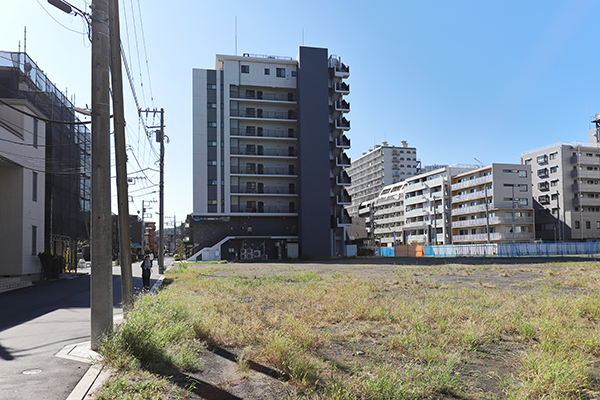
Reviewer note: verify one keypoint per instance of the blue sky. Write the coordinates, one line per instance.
(457, 79)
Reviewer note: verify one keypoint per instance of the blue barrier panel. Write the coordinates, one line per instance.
(387, 251)
(428, 251)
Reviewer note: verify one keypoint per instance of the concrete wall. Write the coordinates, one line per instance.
(314, 182)
(199, 140)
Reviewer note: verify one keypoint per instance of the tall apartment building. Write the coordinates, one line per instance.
(414, 211)
(566, 189)
(493, 203)
(269, 156)
(381, 166)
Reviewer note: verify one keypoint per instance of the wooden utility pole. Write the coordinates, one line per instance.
(120, 155)
(101, 247)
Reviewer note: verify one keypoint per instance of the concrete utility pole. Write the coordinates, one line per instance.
(120, 155)
(101, 246)
(160, 137)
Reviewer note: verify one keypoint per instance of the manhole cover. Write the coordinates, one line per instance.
(32, 371)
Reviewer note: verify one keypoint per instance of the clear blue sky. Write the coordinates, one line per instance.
(456, 79)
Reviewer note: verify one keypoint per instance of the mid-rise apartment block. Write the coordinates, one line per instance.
(379, 167)
(269, 141)
(414, 211)
(493, 204)
(566, 190)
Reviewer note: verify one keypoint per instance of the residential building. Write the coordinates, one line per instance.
(67, 154)
(22, 187)
(414, 211)
(493, 204)
(381, 166)
(566, 189)
(269, 157)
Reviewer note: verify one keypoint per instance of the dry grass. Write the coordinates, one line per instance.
(339, 334)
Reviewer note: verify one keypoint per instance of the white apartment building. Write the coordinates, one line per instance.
(493, 204)
(379, 167)
(566, 189)
(22, 188)
(414, 211)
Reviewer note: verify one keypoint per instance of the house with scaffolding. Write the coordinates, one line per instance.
(66, 187)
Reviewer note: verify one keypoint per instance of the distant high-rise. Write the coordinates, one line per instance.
(269, 156)
(381, 166)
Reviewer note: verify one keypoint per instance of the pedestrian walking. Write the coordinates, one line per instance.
(146, 271)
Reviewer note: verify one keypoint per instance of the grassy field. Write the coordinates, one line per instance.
(364, 331)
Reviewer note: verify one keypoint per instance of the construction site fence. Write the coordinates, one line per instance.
(546, 249)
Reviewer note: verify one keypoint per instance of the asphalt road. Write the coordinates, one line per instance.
(37, 322)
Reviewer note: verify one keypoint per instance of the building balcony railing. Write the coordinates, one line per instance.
(480, 194)
(291, 171)
(259, 132)
(344, 199)
(414, 199)
(584, 173)
(262, 190)
(260, 113)
(342, 87)
(342, 70)
(342, 105)
(412, 239)
(586, 202)
(262, 95)
(492, 221)
(342, 123)
(494, 236)
(342, 142)
(585, 160)
(343, 220)
(468, 210)
(258, 151)
(472, 182)
(416, 224)
(587, 187)
(263, 209)
(342, 160)
(343, 179)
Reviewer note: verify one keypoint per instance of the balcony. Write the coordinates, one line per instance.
(416, 239)
(290, 171)
(585, 160)
(343, 199)
(259, 132)
(341, 87)
(472, 182)
(584, 173)
(414, 199)
(480, 194)
(263, 209)
(342, 142)
(586, 202)
(342, 70)
(343, 179)
(263, 190)
(342, 160)
(416, 224)
(492, 221)
(342, 123)
(342, 105)
(468, 210)
(262, 95)
(495, 236)
(342, 220)
(586, 187)
(415, 212)
(260, 151)
(263, 114)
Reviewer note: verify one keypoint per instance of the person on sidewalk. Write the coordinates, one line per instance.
(146, 271)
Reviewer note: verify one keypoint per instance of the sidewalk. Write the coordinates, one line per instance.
(44, 336)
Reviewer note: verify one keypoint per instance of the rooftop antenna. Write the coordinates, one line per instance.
(236, 35)
(25, 40)
(481, 165)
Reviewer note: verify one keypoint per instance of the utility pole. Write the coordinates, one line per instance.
(160, 137)
(120, 155)
(101, 247)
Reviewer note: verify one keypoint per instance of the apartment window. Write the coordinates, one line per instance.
(553, 155)
(522, 174)
(528, 161)
(281, 72)
(212, 202)
(576, 224)
(250, 94)
(294, 73)
(588, 225)
(35, 133)
(553, 169)
(34, 187)
(542, 172)
(542, 159)
(251, 130)
(597, 224)
(33, 240)
(523, 202)
(211, 105)
(554, 196)
(554, 183)
(212, 124)
(543, 186)
(545, 199)
(212, 182)
(212, 162)
(245, 69)
(211, 86)
(250, 167)
(267, 71)
(212, 144)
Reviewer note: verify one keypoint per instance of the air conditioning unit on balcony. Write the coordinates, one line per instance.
(242, 256)
(257, 253)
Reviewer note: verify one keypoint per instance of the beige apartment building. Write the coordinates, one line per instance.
(566, 190)
(493, 204)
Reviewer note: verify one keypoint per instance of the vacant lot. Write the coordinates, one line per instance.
(380, 329)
